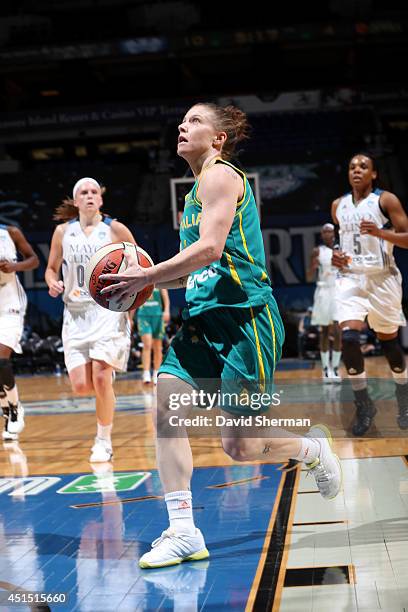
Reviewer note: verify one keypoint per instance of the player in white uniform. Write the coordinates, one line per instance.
(13, 302)
(323, 314)
(369, 285)
(96, 341)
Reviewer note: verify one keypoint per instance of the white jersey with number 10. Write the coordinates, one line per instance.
(77, 249)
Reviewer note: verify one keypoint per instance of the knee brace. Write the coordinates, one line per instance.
(352, 356)
(394, 354)
(6, 374)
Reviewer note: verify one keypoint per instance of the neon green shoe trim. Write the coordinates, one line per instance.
(145, 565)
(326, 430)
(198, 556)
(312, 465)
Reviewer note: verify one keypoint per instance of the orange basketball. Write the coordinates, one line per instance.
(110, 259)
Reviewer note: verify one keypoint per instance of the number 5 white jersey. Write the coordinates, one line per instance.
(77, 249)
(369, 254)
(370, 286)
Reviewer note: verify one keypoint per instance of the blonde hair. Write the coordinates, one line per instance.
(233, 122)
(67, 210)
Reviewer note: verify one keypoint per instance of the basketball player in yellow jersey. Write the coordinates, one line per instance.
(232, 331)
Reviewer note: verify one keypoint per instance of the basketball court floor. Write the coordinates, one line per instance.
(74, 533)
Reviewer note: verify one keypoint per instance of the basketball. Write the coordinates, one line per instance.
(110, 259)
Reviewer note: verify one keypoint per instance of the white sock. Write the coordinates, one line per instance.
(155, 372)
(180, 510)
(336, 356)
(400, 378)
(104, 432)
(325, 356)
(309, 451)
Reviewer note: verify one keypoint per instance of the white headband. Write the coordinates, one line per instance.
(86, 179)
(328, 226)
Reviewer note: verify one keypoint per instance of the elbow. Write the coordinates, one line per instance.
(212, 252)
(35, 263)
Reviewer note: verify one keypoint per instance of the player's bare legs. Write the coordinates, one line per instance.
(276, 445)
(182, 541)
(81, 379)
(324, 346)
(173, 450)
(175, 463)
(105, 396)
(95, 378)
(146, 357)
(157, 357)
(12, 410)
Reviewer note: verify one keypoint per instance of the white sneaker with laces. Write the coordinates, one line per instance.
(15, 423)
(326, 469)
(172, 548)
(101, 451)
(146, 377)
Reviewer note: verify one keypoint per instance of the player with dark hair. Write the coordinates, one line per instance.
(370, 284)
(13, 303)
(232, 330)
(96, 341)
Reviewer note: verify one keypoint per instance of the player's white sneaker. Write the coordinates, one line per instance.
(15, 424)
(334, 375)
(154, 377)
(101, 451)
(146, 376)
(326, 375)
(326, 468)
(172, 548)
(9, 437)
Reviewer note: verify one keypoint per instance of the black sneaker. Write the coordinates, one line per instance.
(401, 393)
(363, 418)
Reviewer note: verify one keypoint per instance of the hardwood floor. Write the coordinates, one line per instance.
(60, 443)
